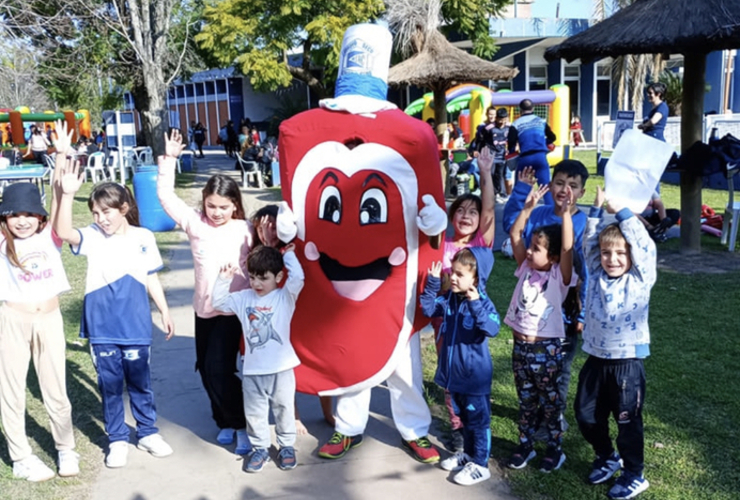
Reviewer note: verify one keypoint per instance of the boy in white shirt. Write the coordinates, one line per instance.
(265, 311)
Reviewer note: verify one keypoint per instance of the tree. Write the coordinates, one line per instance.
(19, 80)
(129, 40)
(260, 36)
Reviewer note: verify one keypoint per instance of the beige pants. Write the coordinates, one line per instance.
(23, 335)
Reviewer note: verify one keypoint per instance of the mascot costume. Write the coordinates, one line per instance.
(363, 182)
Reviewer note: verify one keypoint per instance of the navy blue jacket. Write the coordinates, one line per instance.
(532, 133)
(464, 364)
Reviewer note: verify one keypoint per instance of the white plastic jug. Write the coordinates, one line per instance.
(634, 169)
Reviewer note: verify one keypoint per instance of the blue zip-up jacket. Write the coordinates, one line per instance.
(464, 364)
(533, 134)
(544, 215)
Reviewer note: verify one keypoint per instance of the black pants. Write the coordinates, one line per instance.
(216, 349)
(615, 387)
(499, 178)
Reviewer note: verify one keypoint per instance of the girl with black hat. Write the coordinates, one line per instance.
(32, 278)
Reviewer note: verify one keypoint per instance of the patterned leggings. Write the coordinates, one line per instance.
(537, 368)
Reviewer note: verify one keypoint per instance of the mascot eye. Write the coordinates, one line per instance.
(373, 207)
(330, 205)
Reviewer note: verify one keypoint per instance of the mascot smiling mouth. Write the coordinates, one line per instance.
(358, 283)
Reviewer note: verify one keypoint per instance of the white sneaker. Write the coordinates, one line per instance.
(32, 469)
(117, 454)
(155, 445)
(69, 463)
(471, 474)
(455, 463)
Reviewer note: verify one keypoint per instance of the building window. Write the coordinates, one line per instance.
(189, 90)
(502, 85)
(573, 81)
(180, 92)
(221, 86)
(210, 88)
(537, 77)
(603, 90)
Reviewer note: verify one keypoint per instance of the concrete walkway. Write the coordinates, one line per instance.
(201, 469)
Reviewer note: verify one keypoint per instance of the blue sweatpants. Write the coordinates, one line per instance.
(475, 413)
(114, 364)
(538, 161)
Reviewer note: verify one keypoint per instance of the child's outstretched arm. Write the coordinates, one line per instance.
(221, 298)
(591, 251)
(296, 278)
(517, 240)
(67, 180)
(566, 249)
(63, 145)
(487, 225)
(431, 304)
(157, 294)
(518, 196)
(167, 164)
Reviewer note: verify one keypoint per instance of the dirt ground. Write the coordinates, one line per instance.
(706, 262)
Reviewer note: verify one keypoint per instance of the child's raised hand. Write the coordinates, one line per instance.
(70, 177)
(568, 201)
(526, 175)
(612, 206)
(266, 231)
(436, 270)
(173, 145)
(485, 161)
(472, 293)
(227, 271)
(600, 197)
(535, 195)
(63, 141)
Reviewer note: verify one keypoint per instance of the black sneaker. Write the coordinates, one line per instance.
(553, 460)
(522, 454)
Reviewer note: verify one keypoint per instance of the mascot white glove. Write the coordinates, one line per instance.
(286, 223)
(432, 219)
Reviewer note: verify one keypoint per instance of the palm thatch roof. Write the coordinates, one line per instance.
(657, 27)
(439, 64)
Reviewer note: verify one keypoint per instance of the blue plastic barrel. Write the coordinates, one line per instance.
(151, 214)
(186, 162)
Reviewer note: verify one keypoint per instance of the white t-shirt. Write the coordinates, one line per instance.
(116, 308)
(265, 320)
(44, 275)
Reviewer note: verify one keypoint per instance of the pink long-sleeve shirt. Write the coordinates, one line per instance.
(212, 246)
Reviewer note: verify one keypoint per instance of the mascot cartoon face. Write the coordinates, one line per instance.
(355, 185)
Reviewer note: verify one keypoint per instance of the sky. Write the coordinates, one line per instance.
(568, 8)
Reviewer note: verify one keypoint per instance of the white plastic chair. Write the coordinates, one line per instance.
(95, 166)
(731, 219)
(145, 155)
(250, 172)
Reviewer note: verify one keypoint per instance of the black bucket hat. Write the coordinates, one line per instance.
(22, 197)
(502, 113)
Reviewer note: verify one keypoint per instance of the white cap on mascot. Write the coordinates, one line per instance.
(362, 82)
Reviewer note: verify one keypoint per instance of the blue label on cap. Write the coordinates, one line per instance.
(358, 57)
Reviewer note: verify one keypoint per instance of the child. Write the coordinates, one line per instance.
(265, 312)
(464, 365)
(473, 223)
(545, 272)
(122, 262)
(31, 326)
(264, 221)
(219, 230)
(568, 174)
(622, 263)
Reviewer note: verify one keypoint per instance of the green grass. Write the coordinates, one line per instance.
(692, 405)
(81, 384)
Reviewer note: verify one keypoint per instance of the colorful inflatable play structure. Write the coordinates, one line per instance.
(78, 122)
(472, 100)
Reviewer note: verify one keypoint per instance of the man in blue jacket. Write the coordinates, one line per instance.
(534, 137)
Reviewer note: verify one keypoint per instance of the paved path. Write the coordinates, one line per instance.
(200, 469)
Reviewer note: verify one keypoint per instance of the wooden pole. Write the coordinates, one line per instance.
(692, 107)
(440, 112)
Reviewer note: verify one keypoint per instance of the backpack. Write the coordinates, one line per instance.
(223, 134)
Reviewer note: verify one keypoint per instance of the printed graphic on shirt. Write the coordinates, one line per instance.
(37, 267)
(259, 329)
(532, 302)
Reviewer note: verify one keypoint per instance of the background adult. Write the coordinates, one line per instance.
(654, 124)
(534, 137)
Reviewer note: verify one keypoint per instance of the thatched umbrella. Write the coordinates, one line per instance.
(439, 66)
(689, 27)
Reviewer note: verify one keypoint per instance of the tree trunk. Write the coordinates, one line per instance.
(440, 112)
(691, 123)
